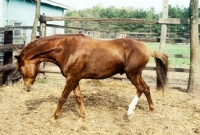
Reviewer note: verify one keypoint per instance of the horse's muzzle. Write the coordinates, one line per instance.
(28, 88)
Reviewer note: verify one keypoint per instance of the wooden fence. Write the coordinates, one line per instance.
(7, 66)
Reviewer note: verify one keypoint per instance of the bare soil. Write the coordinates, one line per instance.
(106, 103)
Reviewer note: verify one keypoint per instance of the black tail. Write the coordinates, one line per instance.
(161, 69)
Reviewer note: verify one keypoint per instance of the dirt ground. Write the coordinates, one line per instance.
(106, 103)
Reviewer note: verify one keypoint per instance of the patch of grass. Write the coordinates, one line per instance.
(179, 62)
(174, 49)
(171, 48)
(45, 81)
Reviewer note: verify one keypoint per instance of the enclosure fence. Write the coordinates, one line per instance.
(176, 49)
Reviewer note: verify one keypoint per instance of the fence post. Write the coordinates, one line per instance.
(42, 34)
(42, 27)
(8, 58)
(164, 26)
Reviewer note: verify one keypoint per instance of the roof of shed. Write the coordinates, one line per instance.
(56, 4)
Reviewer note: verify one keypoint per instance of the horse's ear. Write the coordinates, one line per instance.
(17, 57)
(17, 50)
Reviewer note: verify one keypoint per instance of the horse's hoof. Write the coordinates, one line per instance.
(80, 120)
(53, 119)
(150, 112)
(130, 116)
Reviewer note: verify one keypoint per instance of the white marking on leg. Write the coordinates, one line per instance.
(132, 105)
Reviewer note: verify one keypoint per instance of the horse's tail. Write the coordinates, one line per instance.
(161, 68)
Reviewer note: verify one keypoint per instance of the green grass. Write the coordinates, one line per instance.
(44, 81)
(174, 49)
(171, 48)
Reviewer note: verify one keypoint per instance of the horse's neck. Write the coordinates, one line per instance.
(41, 52)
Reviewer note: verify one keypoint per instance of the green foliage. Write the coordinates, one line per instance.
(99, 11)
(179, 30)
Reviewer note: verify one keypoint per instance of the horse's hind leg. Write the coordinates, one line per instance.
(148, 95)
(70, 85)
(79, 100)
(135, 81)
(141, 87)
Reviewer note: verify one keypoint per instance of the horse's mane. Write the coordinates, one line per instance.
(36, 47)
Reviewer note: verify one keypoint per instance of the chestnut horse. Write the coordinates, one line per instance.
(81, 57)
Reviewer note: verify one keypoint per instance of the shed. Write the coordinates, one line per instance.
(22, 13)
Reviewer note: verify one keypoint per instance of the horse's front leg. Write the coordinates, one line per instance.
(79, 100)
(70, 85)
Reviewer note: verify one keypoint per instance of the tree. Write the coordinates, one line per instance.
(194, 81)
(178, 31)
(37, 16)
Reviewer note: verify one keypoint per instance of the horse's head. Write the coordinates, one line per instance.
(28, 69)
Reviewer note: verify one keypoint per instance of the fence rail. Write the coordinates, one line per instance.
(8, 28)
(44, 18)
(10, 47)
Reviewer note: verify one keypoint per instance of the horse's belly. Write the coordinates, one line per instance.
(101, 70)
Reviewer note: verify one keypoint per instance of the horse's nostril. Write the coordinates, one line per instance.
(28, 88)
